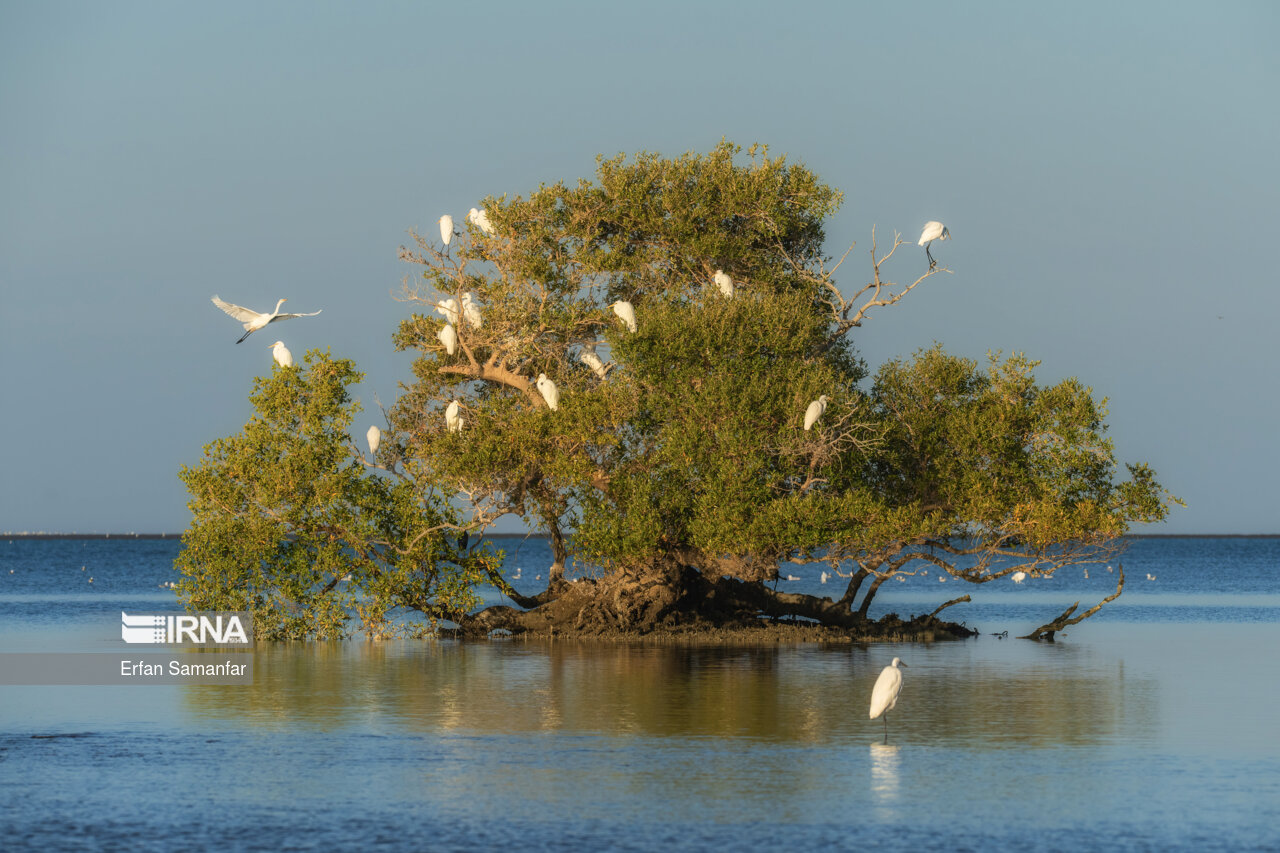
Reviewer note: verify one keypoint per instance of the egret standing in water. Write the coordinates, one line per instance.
(933, 231)
(252, 320)
(885, 694)
(815, 410)
(281, 353)
(1019, 577)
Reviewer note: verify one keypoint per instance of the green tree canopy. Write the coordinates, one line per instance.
(680, 466)
(290, 523)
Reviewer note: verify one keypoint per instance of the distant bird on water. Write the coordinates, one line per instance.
(815, 411)
(252, 320)
(884, 696)
(1019, 577)
(933, 231)
(281, 353)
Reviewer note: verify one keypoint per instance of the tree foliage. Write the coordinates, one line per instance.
(289, 523)
(678, 465)
(686, 465)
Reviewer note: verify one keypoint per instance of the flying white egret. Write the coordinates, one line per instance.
(449, 309)
(452, 418)
(283, 357)
(933, 231)
(449, 338)
(815, 410)
(724, 283)
(590, 359)
(471, 311)
(885, 694)
(626, 312)
(549, 392)
(252, 320)
(374, 435)
(480, 219)
(1019, 577)
(446, 229)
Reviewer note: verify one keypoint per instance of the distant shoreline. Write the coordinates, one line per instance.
(544, 536)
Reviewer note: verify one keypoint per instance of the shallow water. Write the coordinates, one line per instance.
(1153, 731)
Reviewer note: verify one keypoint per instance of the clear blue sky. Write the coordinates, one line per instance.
(1109, 173)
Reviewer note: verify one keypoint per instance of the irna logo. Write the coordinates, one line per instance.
(202, 629)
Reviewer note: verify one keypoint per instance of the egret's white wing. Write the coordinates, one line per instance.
(244, 315)
(291, 316)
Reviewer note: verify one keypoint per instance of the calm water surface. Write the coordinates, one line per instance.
(1149, 727)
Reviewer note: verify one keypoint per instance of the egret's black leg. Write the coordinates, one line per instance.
(886, 727)
(929, 255)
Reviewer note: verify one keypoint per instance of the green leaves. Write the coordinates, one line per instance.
(289, 523)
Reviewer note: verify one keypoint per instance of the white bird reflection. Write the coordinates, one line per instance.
(885, 776)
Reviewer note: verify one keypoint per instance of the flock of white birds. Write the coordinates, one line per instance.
(469, 311)
(884, 696)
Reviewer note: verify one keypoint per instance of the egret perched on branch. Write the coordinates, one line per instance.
(549, 392)
(449, 338)
(374, 435)
(724, 283)
(815, 410)
(590, 359)
(471, 311)
(252, 320)
(480, 219)
(626, 312)
(283, 357)
(885, 694)
(448, 308)
(452, 419)
(446, 229)
(933, 231)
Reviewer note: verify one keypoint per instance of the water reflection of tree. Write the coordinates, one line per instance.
(780, 694)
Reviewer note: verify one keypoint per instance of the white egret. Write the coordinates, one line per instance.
(281, 353)
(452, 418)
(480, 219)
(374, 436)
(1019, 577)
(471, 311)
(449, 309)
(626, 312)
(884, 696)
(824, 576)
(1150, 576)
(815, 410)
(252, 320)
(590, 359)
(792, 577)
(549, 392)
(446, 229)
(724, 283)
(449, 337)
(933, 231)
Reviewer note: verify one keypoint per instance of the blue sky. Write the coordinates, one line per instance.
(1108, 172)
